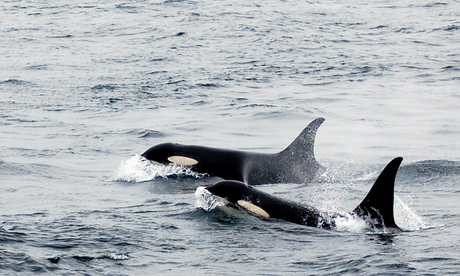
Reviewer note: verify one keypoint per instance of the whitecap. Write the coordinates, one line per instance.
(117, 256)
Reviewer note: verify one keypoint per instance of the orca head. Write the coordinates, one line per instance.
(230, 190)
(160, 153)
(169, 153)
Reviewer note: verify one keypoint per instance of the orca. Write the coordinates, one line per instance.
(376, 209)
(295, 164)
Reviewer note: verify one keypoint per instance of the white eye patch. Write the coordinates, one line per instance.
(182, 160)
(253, 208)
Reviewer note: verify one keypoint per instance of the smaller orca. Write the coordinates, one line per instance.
(295, 164)
(376, 208)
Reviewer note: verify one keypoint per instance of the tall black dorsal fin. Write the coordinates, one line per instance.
(378, 204)
(303, 146)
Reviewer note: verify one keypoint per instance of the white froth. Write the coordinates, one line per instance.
(350, 223)
(406, 218)
(206, 200)
(139, 169)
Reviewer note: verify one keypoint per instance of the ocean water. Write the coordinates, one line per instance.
(87, 86)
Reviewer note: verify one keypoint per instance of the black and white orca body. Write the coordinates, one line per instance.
(376, 208)
(295, 164)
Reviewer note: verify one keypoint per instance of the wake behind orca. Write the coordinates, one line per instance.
(295, 164)
(376, 208)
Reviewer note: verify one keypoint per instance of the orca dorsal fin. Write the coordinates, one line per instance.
(303, 145)
(378, 204)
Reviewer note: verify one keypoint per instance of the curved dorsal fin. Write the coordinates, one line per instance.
(378, 204)
(303, 145)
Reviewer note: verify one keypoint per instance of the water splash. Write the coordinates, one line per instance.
(139, 169)
(406, 218)
(209, 202)
(206, 200)
(349, 223)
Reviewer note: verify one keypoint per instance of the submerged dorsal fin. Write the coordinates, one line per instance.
(303, 145)
(378, 204)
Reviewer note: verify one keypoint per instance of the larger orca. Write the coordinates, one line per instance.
(295, 164)
(376, 208)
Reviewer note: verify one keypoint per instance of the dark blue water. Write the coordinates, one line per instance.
(86, 87)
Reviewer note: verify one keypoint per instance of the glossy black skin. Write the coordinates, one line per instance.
(376, 208)
(295, 164)
(276, 207)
